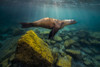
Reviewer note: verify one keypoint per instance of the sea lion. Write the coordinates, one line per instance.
(49, 23)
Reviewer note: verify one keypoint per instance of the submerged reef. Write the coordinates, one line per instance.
(75, 48)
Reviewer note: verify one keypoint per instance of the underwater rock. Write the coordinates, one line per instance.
(73, 29)
(69, 34)
(64, 61)
(0, 45)
(36, 30)
(11, 58)
(87, 50)
(18, 31)
(74, 52)
(57, 38)
(94, 41)
(61, 47)
(95, 50)
(48, 41)
(96, 63)
(95, 34)
(66, 37)
(85, 41)
(53, 42)
(8, 61)
(8, 48)
(55, 50)
(45, 32)
(4, 30)
(82, 34)
(62, 53)
(5, 63)
(97, 57)
(3, 37)
(57, 45)
(87, 61)
(75, 38)
(76, 63)
(69, 42)
(33, 51)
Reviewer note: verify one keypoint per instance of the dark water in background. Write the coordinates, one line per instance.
(87, 15)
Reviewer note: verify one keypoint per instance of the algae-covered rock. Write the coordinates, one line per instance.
(48, 41)
(97, 57)
(75, 38)
(74, 52)
(69, 42)
(85, 41)
(87, 61)
(53, 42)
(82, 34)
(5, 63)
(57, 38)
(55, 50)
(18, 31)
(45, 32)
(64, 61)
(33, 51)
(97, 63)
(95, 34)
(94, 41)
(66, 37)
(0, 45)
(87, 50)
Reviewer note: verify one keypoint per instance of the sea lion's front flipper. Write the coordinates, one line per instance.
(53, 32)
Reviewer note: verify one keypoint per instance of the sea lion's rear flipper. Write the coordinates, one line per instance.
(53, 32)
(26, 25)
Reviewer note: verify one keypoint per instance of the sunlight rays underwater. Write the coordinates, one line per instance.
(83, 15)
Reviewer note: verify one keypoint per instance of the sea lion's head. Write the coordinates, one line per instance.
(67, 22)
(70, 21)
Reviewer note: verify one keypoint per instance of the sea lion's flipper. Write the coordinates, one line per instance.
(53, 32)
(26, 25)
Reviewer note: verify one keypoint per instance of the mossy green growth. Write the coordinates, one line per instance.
(33, 50)
(64, 61)
(69, 42)
(97, 57)
(57, 38)
(75, 52)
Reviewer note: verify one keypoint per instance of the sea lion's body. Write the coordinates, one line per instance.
(49, 23)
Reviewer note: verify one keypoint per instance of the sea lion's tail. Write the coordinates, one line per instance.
(26, 25)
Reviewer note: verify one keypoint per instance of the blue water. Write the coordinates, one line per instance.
(87, 16)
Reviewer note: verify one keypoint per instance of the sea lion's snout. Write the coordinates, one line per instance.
(72, 21)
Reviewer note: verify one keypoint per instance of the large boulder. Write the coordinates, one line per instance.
(33, 51)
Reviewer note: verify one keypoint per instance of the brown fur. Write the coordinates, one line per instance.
(49, 23)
